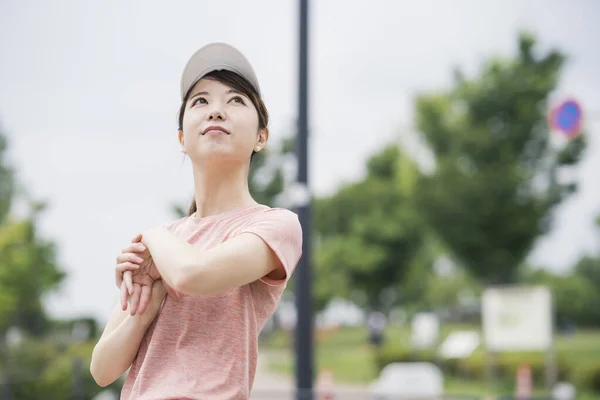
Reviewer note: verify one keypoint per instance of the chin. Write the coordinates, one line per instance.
(216, 155)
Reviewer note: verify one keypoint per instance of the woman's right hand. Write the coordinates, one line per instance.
(135, 275)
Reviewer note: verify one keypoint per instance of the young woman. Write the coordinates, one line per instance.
(201, 288)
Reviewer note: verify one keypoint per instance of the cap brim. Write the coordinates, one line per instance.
(216, 57)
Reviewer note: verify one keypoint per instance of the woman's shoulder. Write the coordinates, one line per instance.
(277, 222)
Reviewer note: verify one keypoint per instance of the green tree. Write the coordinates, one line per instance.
(589, 268)
(42, 364)
(41, 369)
(494, 186)
(451, 291)
(576, 294)
(28, 269)
(27, 272)
(367, 236)
(6, 181)
(575, 297)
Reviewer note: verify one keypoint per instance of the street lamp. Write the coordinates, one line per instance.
(303, 293)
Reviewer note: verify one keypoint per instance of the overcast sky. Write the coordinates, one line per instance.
(89, 95)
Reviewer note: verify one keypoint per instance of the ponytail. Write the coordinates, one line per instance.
(192, 208)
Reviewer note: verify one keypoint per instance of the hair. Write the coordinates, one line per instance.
(236, 82)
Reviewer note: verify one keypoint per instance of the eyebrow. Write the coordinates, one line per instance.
(198, 94)
(233, 91)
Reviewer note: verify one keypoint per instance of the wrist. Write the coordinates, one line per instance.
(143, 321)
(149, 234)
(140, 322)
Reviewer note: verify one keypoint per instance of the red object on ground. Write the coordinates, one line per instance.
(523, 384)
(326, 386)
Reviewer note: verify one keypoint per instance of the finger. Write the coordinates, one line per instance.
(118, 278)
(129, 257)
(137, 238)
(124, 296)
(128, 279)
(120, 269)
(123, 274)
(134, 248)
(135, 298)
(145, 298)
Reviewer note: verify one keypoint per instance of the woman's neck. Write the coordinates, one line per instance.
(217, 190)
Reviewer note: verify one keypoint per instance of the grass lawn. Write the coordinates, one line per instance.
(347, 354)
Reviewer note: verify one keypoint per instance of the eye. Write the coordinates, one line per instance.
(199, 100)
(238, 99)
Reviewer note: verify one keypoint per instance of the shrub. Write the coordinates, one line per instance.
(40, 369)
(586, 375)
(506, 365)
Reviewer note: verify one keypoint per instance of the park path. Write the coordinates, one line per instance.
(269, 385)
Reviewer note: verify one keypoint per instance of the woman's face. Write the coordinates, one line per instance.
(220, 124)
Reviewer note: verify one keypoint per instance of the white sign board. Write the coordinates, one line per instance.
(409, 380)
(517, 318)
(425, 330)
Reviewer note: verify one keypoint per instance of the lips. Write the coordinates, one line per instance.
(215, 128)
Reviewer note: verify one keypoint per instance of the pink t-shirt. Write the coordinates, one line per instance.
(205, 346)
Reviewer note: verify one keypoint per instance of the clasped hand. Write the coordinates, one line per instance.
(135, 275)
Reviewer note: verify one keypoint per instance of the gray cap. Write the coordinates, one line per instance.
(216, 57)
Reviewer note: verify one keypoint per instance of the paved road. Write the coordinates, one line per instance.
(271, 386)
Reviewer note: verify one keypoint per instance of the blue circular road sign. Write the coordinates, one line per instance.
(566, 117)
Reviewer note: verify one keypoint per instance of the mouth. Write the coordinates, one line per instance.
(215, 129)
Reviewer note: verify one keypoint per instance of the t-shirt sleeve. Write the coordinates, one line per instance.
(280, 229)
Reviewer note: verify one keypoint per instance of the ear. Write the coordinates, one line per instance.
(263, 137)
(180, 137)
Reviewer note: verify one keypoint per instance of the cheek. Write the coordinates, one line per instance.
(190, 125)
(248, 124)
(249, 137)
(188, 120)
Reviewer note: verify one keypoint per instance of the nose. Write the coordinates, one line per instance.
(216, 113)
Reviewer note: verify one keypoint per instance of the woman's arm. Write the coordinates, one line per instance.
(233, 263)
(120, 341)
(267, 248)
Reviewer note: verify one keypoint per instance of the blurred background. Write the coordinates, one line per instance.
(453, 165)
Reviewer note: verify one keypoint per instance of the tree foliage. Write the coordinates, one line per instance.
(37, 367)
(575, 297)
(367, 235)
(495, 184)
(6, 181)
(28, 269)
